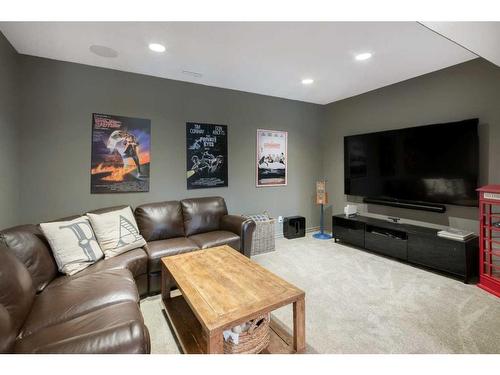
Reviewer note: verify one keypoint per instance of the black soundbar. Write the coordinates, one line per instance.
(407, 204)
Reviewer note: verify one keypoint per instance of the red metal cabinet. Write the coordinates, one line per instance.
(489, 233)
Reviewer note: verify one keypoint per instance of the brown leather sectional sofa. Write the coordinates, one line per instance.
(97, 310)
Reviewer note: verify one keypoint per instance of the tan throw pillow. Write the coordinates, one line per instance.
(116, 231)
(73, 244)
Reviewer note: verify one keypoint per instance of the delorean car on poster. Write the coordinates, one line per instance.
(206, 153)
(120, 154)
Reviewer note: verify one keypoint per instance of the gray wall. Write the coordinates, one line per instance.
(45, 143)
(59, 98)
(463, 91)
(9, 166)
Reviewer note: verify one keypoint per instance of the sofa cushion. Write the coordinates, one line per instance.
(116, 231)
(173, 246)
(202, 214)
(117, 328)
(79, 296)
(136, 261)
(216, 238)
(16, 297)
(30, 246)
(73, 244)
(159, 221)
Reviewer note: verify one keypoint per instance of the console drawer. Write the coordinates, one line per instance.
(349, 231)
(387, 242)
(439, 253)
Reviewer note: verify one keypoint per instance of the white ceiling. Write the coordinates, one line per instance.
(265, 58)
(482, 38)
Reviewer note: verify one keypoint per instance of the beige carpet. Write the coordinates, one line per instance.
(357, 302)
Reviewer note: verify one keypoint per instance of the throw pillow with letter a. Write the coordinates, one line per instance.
(116, 231)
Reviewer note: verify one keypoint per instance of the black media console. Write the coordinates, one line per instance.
(410, 243)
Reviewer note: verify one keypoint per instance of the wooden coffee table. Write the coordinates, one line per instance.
(221, 288)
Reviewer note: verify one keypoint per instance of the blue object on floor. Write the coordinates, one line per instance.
(321, 235)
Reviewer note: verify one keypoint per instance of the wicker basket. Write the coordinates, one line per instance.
(252, 341)
(263, 239)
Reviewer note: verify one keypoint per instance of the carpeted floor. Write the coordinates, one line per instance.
(357, 302)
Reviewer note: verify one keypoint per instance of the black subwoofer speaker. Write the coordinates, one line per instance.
(294, 227)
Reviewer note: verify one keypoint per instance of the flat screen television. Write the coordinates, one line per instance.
(425, 164)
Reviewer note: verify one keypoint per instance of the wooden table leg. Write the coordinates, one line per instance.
(215, 345)
(299, 326)
(166, 283)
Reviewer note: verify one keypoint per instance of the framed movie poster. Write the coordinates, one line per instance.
(121, 153)
(206, 154)
(271, 158)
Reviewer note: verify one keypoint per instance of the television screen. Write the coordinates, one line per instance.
(433, 163)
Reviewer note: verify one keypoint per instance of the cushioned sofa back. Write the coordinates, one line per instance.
(29, 245)
(108, 209)
(16, 297)
(65, 218)
(202, 214)
(160, 220)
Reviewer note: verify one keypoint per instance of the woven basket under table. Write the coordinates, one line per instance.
(252, 341)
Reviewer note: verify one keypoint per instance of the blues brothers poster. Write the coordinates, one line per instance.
(206, 151)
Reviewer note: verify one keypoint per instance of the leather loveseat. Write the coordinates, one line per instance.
(97, 309)
(178, 227)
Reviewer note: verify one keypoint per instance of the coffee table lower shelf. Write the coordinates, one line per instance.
(192, 340)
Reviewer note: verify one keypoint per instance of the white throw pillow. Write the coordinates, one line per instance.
(116, 231)
(73, 243)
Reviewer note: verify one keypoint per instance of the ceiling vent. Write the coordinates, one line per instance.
(192, 74)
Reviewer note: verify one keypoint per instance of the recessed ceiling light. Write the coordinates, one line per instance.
(156, 47)
(307, 81)
(363, 56)
(103, 51)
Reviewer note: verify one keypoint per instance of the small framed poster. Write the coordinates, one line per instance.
(321, 194)
(206, 154)
(272, 156)
(121, 154)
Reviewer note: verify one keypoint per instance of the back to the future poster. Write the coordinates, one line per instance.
(121, 153)
(206, 151)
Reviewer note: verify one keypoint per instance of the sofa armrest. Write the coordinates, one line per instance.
(241, 226)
